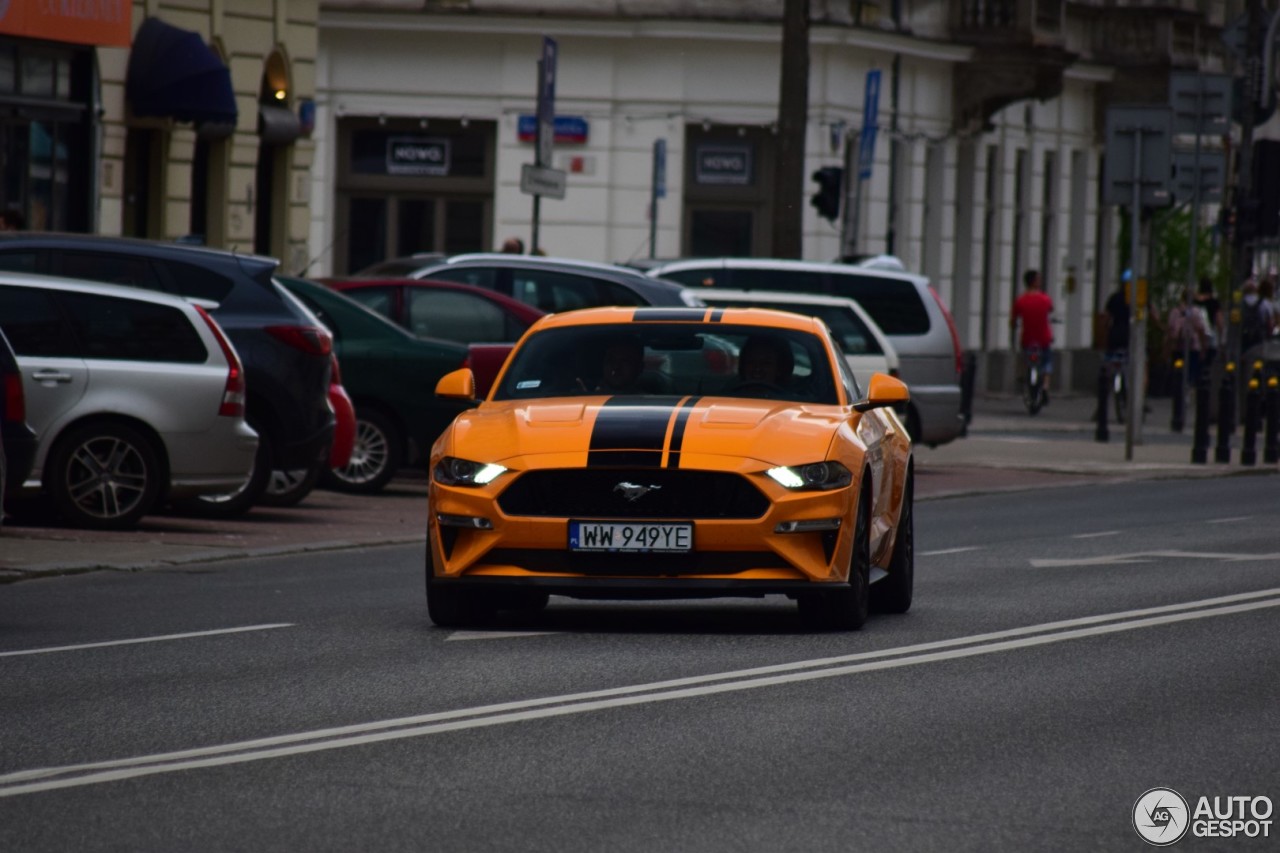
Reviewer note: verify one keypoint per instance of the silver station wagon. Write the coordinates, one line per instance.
(135, 397)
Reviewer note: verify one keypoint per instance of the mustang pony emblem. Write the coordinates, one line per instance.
(632, 492)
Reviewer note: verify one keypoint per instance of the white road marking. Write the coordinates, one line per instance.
(949, 551)
(496, 635)
(1229, 520)
(1096, 535)
(69, 776)
(1147, 557)
(159, 639)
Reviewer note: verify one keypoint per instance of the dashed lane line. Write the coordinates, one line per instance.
(134, 641)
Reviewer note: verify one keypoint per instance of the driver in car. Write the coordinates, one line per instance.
(765, 360)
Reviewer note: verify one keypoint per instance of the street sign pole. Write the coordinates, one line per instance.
(546, 126)
(657, 190)
(1137, 310)
(856, 173)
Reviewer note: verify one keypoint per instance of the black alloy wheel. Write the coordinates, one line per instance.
(892, 594)
(845, 607)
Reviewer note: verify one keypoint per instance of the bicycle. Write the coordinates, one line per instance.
(1034, 394)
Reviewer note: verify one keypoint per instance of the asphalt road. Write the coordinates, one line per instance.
(1069, 650)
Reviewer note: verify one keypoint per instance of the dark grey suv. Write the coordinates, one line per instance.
(286, 356)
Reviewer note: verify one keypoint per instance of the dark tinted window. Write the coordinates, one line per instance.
(18, 261)
(795, 281)
(131, 330)
(486, 277)
(558, 291)
(706, 277)
(378, 299)
(894, 304)
(34, 325)
(455, 316)
(112, 269)
(191, 280)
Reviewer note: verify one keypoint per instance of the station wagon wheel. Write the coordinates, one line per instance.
(288, 488)
(845, 607)
(105, 476)
(893, 593)
(375, 457)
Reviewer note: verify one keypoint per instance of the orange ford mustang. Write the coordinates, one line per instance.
(673, 453)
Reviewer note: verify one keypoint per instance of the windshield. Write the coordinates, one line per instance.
(671, 359)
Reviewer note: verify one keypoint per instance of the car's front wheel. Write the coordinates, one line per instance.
(105, 476)
(845, 607)
(375, 458)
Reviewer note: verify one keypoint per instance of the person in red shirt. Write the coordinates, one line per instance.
(1033, 309)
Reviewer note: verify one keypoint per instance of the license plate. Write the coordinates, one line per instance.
(630, 536)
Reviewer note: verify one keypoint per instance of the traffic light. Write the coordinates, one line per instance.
(827, 199)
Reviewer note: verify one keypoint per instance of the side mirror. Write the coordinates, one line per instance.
(458, 385)
(883, 390)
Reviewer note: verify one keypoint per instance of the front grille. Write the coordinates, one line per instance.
(598, 564)
(603, 493)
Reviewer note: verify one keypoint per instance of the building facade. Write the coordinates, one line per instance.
(167, 119)
(988, 157)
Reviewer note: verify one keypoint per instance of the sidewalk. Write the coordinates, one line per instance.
(1006, 450)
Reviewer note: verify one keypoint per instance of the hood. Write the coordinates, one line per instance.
(644, 431)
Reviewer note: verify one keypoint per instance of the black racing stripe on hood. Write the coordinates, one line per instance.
(630, 431)
(668, 315)
(717, 315)
(677, 431)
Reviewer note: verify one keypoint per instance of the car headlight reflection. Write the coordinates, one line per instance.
(816, 475)
(452, 471)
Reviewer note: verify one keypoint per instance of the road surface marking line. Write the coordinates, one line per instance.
(1096, 535)
(1147, 557)
(496, 635)
(14, 784)
(135, 641)
(950, 551)
(1229, 520)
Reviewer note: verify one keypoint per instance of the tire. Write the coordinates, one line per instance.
(845, 607)
(450, 606)
(105, 476)
(375, 459)
(240, 501)
(893, 593)
(289, 488)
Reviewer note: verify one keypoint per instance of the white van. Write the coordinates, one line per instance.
(909, 312)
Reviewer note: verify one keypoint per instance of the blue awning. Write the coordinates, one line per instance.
(174, 74)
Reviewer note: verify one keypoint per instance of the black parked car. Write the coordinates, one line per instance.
(286, 355)
(17, 439)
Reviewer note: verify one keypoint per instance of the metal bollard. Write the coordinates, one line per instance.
(1179, 396)
(1271, 444)
(1252, 413)
(1200, 443)
(1226, 413)
(1100, 432)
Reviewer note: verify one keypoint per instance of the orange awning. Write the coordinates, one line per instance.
(105, 22)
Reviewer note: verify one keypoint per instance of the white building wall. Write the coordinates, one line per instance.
(636, 81)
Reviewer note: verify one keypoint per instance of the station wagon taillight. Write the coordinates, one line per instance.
(309, 339)
(15, 405)
(232, 405)
(951, 327)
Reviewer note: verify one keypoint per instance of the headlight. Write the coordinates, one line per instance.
(816, 475)
(452, 471)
